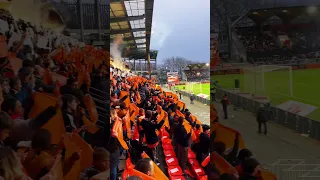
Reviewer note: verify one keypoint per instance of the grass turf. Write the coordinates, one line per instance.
(196, 88)
(305, 85)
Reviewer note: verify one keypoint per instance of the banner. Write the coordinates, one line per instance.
(172, 78)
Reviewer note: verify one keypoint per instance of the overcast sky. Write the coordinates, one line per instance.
(181, 28)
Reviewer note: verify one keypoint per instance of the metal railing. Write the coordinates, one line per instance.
(297, 123)
(294, 169)
(102, 104)
(88, 14)
(196, 98)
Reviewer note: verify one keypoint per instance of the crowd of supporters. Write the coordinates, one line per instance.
(158, 123)
(48, 120)
(264, 47)
(254, 41)
(197, 75)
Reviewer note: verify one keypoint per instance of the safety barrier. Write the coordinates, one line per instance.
(289, 169)
(197, 98)
(297, 123)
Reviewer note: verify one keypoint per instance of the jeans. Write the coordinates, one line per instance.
(114, 163)
(182, 156)
(213, 96)
(152, 153)
(225, 112)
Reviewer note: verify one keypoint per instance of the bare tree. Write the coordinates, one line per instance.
(176, 64)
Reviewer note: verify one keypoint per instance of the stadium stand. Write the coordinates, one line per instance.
(197, 72)
(147, 119)
(52, 125)
(280, 43)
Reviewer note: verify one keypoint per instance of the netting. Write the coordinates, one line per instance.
(267, 80)
(195, 87)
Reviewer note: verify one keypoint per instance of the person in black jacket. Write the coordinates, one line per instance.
(250, 169)
(182, 139)
(263, 116)
(69, 87)
(149, 130)
(204, 142)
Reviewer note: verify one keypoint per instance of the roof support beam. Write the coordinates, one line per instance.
(122, 31)
(88, 31)
(132, 38)
(130, 18)
(135, 44)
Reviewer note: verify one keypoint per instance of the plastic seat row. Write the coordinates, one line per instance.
(174, 170)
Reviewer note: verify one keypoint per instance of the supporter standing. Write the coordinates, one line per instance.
(182, 140)
(225, 102)
(263, 116)
(192, 98)
(149, 129)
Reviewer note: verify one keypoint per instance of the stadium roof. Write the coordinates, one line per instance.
(286, 14)
(132, 19)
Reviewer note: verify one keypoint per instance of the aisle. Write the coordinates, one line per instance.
(280, 143)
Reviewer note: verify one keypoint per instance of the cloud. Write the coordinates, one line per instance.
(181, 28)
(160, 32)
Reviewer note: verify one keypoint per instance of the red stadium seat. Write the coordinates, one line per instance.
(175, 171)
(205, 177)
(167, 146)
(193, 162)
(166, 141)
(191, 154)
(169, 153)
(172, 161)
(198, 170)
(177, 178)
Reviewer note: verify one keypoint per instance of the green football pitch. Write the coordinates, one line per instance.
(196, 88)
(305, 86)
